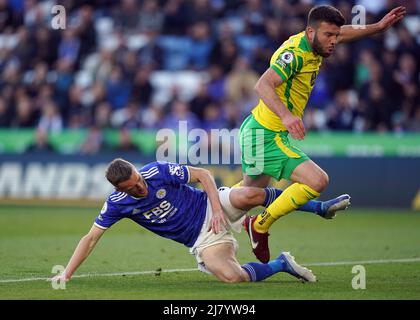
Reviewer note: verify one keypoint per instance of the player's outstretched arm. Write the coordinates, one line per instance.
(218, 221)
(82, 251)
(266, 90)
(352, 33)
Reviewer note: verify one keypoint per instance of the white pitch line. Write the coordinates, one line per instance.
(135, 273)
(347, 263)
(88, 275)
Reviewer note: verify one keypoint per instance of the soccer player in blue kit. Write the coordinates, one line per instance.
(158, 197)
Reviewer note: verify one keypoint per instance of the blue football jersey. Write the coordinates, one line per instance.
(172, 209)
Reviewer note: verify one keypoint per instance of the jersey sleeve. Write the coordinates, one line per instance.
(288, 62)
(107, 217)
(175, 173)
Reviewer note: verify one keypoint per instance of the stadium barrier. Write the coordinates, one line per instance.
(324, 144)
(383, 182)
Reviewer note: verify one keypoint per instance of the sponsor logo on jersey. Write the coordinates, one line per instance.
(176, 170)
(160, 213)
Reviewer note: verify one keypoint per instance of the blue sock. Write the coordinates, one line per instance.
(260, 271)
(310, 206)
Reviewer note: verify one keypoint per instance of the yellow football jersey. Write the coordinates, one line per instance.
(298, 66)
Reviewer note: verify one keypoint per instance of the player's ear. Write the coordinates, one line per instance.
(310, 31)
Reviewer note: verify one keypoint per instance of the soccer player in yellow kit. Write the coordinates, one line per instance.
(284, 90)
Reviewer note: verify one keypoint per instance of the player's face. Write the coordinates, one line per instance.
(325, 38)
(135, 186)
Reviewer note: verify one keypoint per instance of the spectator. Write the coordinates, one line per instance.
(216, 86)
(41, 143)
(132, 116)
(340, 70)
(177, 16)
(69, 47)
(378, 114)
(224, 53)
(125, 143)
(127, 16)
(142, 88)
(118, 89)
(241, 79)
(95, 63)
(44, 42)
(50, 120)
(94, 141)
(342, 113)
(151, 18)
(200, 101)
(25, 116)
(180, 111)
(213, 118)
(5, 116)
(64, 77)
(85, 30)
(75, 115)
(202, 44)
(25, 48)
(129, 65)
(102, 115)
(152, 117)
(6, 15)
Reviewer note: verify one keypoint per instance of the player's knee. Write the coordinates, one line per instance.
(321, 181)
(252, 196)
(324, 179)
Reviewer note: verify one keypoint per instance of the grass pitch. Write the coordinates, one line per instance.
(34, 239)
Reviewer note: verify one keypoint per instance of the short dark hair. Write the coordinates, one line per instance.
(325, 13)
(118, 170)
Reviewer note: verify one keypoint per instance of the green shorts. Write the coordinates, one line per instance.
(267, 152)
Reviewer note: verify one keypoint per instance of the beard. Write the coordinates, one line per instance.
(317, 47)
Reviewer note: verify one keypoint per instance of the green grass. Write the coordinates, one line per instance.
(34, 239)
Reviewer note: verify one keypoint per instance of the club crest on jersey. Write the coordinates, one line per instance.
(287, 57)
(161, 193)
(176, 170)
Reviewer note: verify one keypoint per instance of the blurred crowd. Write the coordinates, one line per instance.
(113, 65)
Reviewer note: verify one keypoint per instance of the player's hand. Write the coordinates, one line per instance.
(218, 221)
(295, 126)
(60, 277)
(394, 16)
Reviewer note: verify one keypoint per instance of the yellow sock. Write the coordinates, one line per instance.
(237, 185)
(291, 199)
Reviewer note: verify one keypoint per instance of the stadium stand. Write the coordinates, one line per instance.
(143, 64)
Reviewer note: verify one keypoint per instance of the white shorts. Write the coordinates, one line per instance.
(206, 238)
